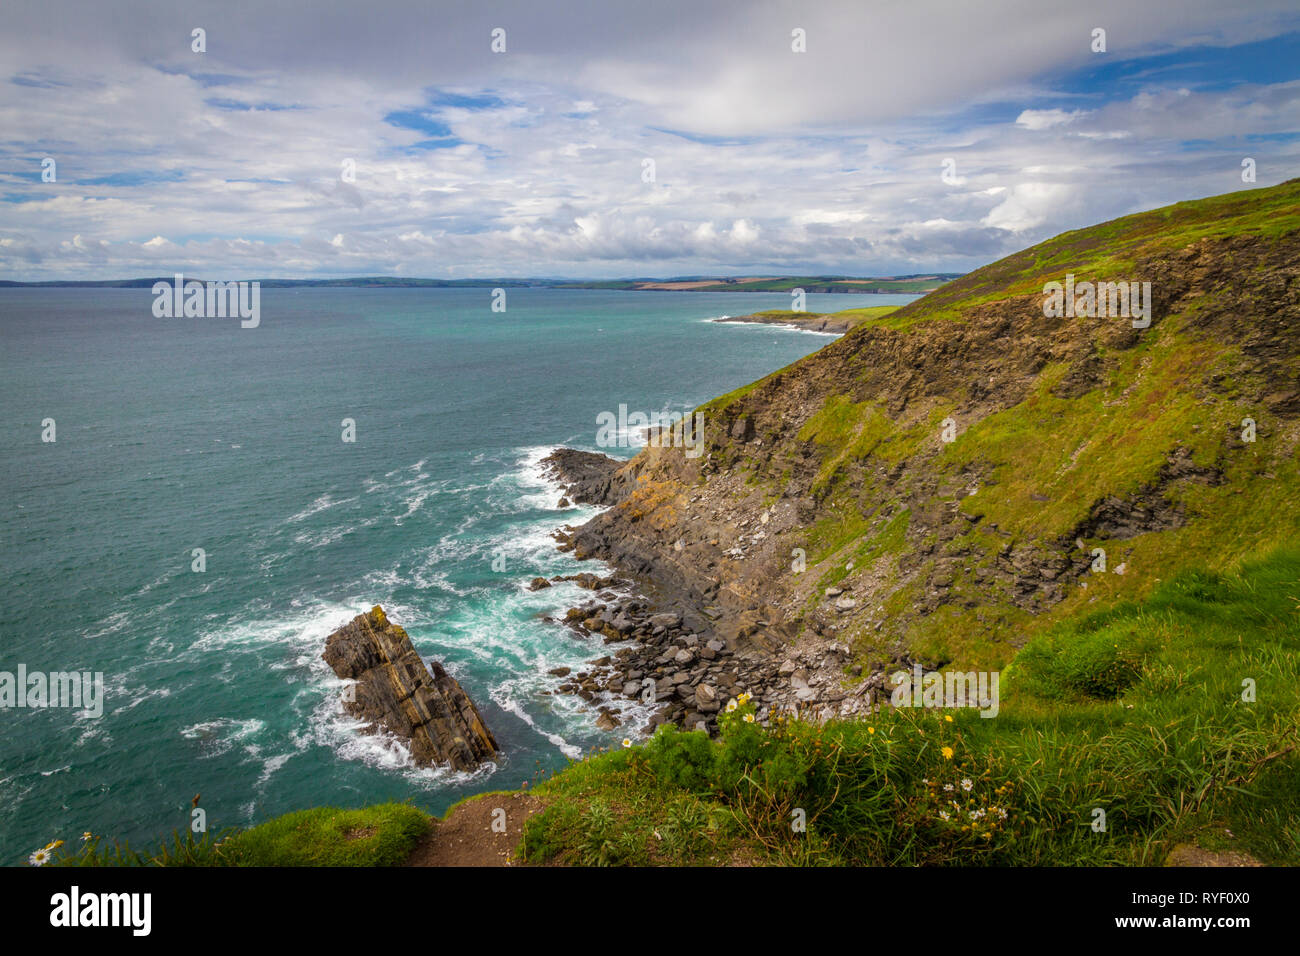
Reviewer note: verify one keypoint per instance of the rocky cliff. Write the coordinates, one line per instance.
(425, 706)
(942, 483)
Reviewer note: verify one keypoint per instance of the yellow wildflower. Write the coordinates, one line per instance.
(947, 753)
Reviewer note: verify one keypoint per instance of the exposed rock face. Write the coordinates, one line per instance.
(423, 705)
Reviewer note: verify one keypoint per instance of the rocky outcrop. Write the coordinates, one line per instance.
(829, 323)
(425, 706)
(588, 477)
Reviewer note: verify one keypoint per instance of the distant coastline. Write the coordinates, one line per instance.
(919, 283)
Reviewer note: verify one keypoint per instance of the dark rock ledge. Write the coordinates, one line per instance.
(424, 706)
(811, 321)
(588, 477)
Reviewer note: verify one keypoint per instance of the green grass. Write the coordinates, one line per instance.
(1113, 248)
(1137, 711)
(381, 835)
(848, 431)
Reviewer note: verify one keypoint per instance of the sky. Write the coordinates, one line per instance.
(618, 139)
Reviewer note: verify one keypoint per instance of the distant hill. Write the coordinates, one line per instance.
(904, 284)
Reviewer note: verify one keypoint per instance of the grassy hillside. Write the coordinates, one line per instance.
(1068, 435)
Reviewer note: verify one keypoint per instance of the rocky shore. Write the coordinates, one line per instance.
(670, 644)
(829, 323)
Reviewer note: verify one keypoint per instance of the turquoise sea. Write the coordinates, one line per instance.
(177, 434)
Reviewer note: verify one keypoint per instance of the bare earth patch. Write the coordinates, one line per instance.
(467, 837)
(1188, 855)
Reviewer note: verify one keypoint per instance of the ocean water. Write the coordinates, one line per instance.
(177, 434)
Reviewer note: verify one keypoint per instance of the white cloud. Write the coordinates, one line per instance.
(1033, 204)
(765, 159)
(1046, 119)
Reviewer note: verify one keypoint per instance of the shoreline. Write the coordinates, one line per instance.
(825, 323)
(815, 322)
(691, 651)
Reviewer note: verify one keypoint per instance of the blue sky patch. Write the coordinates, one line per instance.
(135, 178)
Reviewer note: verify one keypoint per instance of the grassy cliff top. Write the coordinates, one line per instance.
(1115, 249)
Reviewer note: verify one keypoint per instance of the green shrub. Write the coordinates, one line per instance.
(1086, 661)
(685, 759)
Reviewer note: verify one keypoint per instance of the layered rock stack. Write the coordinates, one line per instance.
(423, 705)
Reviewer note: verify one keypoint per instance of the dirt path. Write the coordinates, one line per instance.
(1187, 854)
(467, 836)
